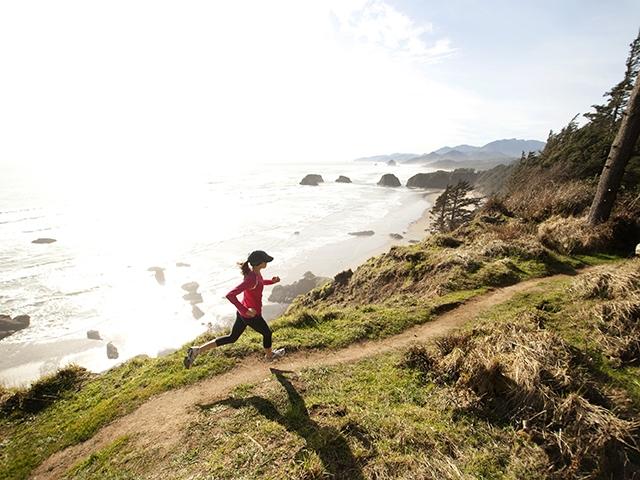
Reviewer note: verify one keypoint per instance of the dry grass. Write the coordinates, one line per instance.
(608, 283)
(617, 320)
(573, 235)
(547, 197)
(531, 378)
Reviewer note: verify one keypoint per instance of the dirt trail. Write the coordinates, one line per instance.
(162, 419)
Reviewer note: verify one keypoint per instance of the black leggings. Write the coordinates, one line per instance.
(257, 323)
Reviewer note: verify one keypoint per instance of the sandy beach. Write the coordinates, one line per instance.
(331, 259)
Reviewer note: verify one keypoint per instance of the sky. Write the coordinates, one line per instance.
(134, 84)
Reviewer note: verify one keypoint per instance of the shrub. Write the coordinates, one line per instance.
(539, 201)
(573, 235)
(45, 391)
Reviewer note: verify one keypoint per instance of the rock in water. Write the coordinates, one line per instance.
(9, 326)
(363, 233)
(389, 180)
(196, 312)
(44, 240)
(193, 298)
(312, 179)
(22, 321)
(191, 286)
(182, 264)
(93, 335)
(112, 351)
(396, 236)
(343, 179)
(391, 163)
(286, 293)
(159, 274)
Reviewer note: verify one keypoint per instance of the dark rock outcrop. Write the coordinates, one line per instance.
(363, 233)
(391, 163)
(93, 335)
(286, 293)
(9, 326)
(112, 351)
(44, 240)
(343, 179)
(312, 179)
(442, 178)
(343, 277)
(389, 180)
(396, 236)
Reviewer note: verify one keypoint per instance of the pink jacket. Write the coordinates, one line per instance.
(252, 286)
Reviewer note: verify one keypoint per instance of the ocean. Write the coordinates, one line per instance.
(112, 225)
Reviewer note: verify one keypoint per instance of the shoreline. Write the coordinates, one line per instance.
(354, 251)
(27, 362)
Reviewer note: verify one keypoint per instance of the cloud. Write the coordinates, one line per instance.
(379, 25)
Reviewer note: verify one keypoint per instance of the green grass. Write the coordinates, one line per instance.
(371, 418)
(29, 439)
(120, 390)
(101, 465)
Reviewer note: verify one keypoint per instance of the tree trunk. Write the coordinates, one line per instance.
(619, 156)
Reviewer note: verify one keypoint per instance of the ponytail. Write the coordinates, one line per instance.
(244, 268)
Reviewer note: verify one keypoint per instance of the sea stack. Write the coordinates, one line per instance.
(312, 179)
(389, 180)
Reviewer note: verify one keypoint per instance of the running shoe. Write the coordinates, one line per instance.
(276, 354)
(191, 355)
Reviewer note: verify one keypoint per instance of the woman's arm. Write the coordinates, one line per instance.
(272, 281)
(232, 296)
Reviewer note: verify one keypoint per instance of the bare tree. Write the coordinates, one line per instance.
(619, 156)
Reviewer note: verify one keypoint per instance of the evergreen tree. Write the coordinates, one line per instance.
(451, 208)
(609, 114)
(459, 212)
(621, 152)
(440, 212)
(580, 152)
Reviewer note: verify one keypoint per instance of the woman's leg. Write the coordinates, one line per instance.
(239, 326)
(260, 325)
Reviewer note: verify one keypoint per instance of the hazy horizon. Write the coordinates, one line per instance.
(140, 84)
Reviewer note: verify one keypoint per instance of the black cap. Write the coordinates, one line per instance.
(257, 257)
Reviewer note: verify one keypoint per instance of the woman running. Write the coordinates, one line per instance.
(249, 310)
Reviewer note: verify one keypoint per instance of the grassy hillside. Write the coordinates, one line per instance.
(543, 386)
(388, 294)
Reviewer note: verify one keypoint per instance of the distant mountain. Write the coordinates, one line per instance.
(505, 148)
(498, 152)
(460, 148)
(397, 157)
(514, 147)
